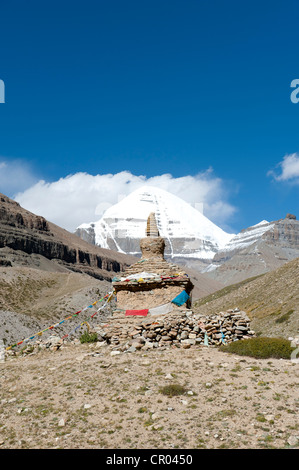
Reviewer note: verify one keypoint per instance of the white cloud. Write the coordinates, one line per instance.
(82, 197)
(15, 175)
(289, 169)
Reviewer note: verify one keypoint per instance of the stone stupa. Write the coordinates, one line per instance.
(152, 282)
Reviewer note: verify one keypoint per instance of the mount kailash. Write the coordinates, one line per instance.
(192, 240)
(187, 232)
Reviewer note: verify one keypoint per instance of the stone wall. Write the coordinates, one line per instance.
(182, 329)
(134, 293)
(148, 298)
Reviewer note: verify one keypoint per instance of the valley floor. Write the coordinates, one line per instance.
(82, 397)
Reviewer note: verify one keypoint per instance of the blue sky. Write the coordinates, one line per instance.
(197, 91)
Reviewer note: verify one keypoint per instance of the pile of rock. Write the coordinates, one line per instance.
(52, 343)
(152, 281)
(182, 329)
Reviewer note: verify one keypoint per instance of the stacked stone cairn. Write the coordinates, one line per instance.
(179, 327)
(151, 281)
(181, 330)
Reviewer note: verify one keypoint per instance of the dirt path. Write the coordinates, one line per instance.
(84, 397)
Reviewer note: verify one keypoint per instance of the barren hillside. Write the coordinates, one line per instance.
(82, 397)
(270, 300)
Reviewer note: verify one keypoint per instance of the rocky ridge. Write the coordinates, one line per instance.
(256, 250)
(28, 239)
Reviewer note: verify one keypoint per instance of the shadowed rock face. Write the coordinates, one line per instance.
(257, 250)
(285, 232)
(13, 215)
(22, 232)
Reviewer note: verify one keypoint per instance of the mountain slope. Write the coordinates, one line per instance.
(187, 232)
(30, 240)
(256, 250)
(32, 299)
(271, 301)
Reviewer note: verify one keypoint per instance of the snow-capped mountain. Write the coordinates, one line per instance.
(256, 250)
(247, 237)
(193, 240)
(187, 232)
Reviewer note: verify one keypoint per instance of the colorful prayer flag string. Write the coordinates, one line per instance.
(109, 295)
(101, 308)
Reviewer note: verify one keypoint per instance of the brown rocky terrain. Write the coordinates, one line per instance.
(84, 397)
(32, 299)
(271, 301)
(46, 272)
(105, 396)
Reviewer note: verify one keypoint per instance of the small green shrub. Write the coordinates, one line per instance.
(260, 348)
(284, 317)
(88, 337)
(173, 389)
(143, 409)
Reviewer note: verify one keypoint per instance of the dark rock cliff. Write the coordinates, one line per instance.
(24, 233)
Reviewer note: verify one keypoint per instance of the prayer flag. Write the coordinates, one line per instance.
(142, 313)
(181, 299)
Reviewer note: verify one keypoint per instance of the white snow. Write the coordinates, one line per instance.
(249, 236)
(263, 222)
(176, 219)
(211, 267)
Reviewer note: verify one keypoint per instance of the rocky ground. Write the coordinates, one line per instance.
(88, 396)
